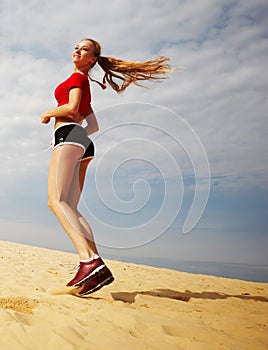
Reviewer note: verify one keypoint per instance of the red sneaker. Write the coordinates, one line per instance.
(86, 270)
(96, 282)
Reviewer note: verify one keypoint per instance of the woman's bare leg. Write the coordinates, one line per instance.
(75, 192)
(61, 172)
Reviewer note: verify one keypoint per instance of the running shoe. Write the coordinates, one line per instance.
(96, 282)
(86, 270)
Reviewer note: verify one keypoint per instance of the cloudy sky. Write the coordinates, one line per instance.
(181, 166)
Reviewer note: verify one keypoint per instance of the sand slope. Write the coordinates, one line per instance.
(145, 308)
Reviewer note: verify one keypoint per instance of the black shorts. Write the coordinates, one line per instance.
(74, 134)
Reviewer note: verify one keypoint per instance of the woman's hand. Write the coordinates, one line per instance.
(45, 119)
(91, 120)
(77, 118)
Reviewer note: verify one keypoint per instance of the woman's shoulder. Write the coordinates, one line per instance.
(78, 79)
(78, 75)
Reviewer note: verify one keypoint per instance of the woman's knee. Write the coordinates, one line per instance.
(50, 205)
(56, 205)
(53, 204)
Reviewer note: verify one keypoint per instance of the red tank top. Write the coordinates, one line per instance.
(76, 80)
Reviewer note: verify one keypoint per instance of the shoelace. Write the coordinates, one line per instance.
(73, 269)
(50, 146)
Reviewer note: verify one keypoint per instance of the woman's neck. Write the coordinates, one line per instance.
(82, 70)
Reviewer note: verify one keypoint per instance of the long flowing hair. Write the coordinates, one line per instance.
(119, 74)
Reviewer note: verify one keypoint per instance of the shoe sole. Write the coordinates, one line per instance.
(107, 281)
(94, 272)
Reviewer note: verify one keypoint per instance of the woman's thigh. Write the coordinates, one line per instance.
(61, 171)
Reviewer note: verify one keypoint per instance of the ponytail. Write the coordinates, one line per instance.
(120, 74)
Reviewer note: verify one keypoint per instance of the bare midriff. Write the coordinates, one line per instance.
(64, 120)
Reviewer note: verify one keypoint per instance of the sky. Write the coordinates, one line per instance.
(181, 165)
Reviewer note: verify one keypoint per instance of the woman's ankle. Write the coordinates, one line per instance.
(95, 256)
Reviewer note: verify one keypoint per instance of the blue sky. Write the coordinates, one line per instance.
(160, 151)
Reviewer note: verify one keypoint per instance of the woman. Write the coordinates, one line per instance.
(73, 149)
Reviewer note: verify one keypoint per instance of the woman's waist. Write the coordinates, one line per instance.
(62, 122)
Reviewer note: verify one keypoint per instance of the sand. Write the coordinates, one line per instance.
(145, 308)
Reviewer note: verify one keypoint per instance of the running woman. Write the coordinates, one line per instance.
(73, 149)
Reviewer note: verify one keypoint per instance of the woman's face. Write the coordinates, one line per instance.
(83, 54)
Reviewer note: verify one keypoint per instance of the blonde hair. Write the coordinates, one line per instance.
(128, 72)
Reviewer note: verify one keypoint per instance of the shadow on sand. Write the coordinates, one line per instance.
(129, 297)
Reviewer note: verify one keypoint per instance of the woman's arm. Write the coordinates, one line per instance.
(69, 109)
(91, 120)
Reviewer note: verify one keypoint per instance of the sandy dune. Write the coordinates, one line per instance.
(145, 308)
